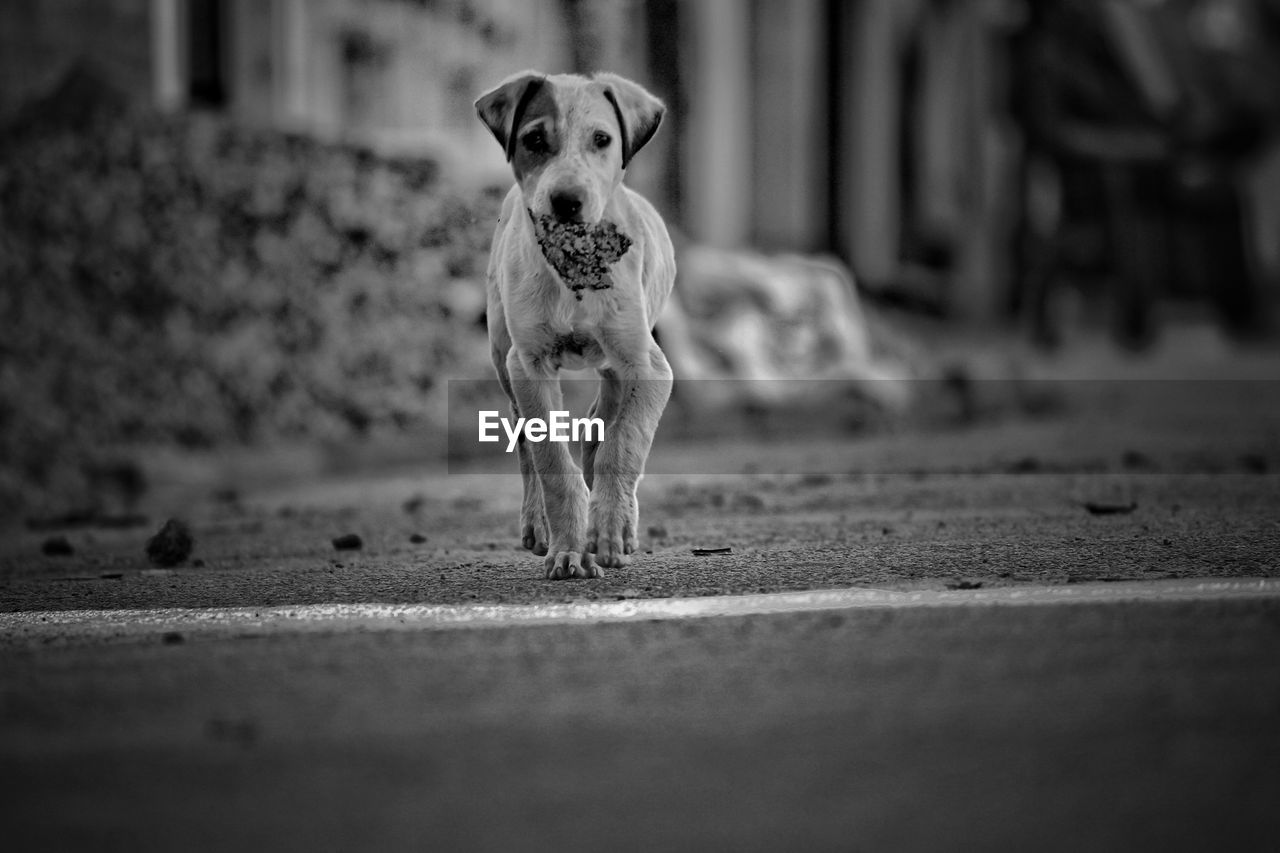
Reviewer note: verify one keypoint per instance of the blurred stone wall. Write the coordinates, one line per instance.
(184, 282)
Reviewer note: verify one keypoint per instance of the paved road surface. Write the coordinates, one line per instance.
(1085, 726)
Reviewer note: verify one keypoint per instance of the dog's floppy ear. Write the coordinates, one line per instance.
(639, 112)
(500, 108)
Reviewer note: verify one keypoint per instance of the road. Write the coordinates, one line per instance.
(1053, 727)
(1103, 725)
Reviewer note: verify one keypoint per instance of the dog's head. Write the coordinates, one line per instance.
(569, 138)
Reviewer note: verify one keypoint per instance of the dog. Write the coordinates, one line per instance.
(569, 140)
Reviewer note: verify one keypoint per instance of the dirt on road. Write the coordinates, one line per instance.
(1135, 481)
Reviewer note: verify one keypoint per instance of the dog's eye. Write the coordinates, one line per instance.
(602, 139)
(535, 141)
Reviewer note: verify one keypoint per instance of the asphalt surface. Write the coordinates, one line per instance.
(1114, 725)
(1108, 726)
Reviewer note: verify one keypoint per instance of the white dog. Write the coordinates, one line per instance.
(569, 140)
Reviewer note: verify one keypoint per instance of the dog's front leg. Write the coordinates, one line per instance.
(632, 398)
(564, 492)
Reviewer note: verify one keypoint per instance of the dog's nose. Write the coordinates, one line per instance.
(566, 205)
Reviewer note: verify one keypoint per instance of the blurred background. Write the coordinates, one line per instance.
(262, 224)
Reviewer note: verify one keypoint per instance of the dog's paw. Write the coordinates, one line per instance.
(611, 535)
(534, 538)
(562, 565)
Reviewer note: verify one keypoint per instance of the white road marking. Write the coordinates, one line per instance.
(257, 621)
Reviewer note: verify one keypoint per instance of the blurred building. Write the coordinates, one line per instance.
(870, 129)
(876, 130)
(398, 71)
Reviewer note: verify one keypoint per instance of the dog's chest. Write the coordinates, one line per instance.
(572, 332)
(575, 351)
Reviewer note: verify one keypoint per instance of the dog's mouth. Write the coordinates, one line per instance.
(581, 253)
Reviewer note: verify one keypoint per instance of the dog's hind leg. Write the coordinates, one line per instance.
(603, 407)
(533, 515)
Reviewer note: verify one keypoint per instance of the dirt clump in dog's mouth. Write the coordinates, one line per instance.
(581, 253)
